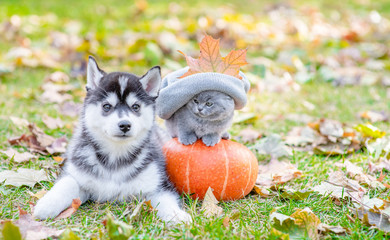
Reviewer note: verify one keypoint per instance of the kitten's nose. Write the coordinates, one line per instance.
(200, 108)
(124, 126)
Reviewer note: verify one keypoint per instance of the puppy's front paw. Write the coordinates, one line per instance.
(176, 217)
(211, 139)
(187, 139)
(46, 208)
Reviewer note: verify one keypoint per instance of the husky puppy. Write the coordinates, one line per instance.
(115, 154)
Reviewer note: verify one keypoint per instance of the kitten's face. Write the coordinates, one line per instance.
(211, 105)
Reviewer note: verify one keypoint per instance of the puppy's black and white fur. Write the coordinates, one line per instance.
(115, 154)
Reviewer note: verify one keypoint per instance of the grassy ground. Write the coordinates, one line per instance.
(20, 90)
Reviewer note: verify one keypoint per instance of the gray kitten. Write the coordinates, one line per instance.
(207, 116)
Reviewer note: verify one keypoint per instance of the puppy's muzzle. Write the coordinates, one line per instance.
(124, 126)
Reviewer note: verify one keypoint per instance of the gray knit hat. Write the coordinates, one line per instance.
(175, 92)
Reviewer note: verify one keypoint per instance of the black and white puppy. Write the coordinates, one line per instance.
(115, 153)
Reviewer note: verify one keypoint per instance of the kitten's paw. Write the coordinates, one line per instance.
(226, 135)
(188, 139)
(211, 140)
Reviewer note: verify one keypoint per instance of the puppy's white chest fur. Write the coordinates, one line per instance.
(113, 185)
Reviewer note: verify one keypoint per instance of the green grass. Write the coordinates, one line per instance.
(20, 91)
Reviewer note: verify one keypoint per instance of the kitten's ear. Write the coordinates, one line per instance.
(151, 81)
(94, 74)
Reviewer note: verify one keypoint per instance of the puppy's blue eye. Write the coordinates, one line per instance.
(107, 107)
(135, 107)
(209, 104)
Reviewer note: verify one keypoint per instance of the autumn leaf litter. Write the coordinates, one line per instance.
(361, 148)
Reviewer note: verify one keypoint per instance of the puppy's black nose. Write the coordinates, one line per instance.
(124, 126)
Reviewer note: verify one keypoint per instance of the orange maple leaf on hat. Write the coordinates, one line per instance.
(210, 59)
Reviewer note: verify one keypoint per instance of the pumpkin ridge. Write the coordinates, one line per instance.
(249, 175)
(227, 170)
(188, 171)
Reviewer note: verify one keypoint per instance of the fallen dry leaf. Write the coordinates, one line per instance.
(54, 97)
(378, 167)
(43, 139)
(302, 136)
(57, 76)
(58, 146)
(70, 109)
(70, 210)
(374, 116)
(17, 156)
(209, 205)
(226, 222)
(19, 122)
(249, 135)
(38, 194)
(374, 212)
(356, 172)
(40, 142)
(52, 123)
(272, 145)
(302, 224)
(325, 228)
(331, 128)
(58, 159)
(263, 191)
(33, 230)
(288, 193)
(23, 176)
(210, 59)
(339, 186)
(276, 172)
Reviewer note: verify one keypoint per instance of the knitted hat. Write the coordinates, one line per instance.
(175, 92)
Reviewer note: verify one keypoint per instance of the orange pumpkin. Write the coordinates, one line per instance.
(229, 168)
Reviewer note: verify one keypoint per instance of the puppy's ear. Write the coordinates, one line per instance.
(151, 81)
(94, 74)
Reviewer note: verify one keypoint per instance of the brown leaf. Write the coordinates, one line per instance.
(276, 172)
(210, 59)
(209, 205)
(23, 176)
(38, 194)
(378, 167)
(19, 122)
(374, 116)
(357, 173)
(331, 128)
(70, 109)
(52, 123)
(70, 210)
(18, 157)
(42, 138)
(58, 159)
(226, 222)
(325, 228)
(57, 76)
(374, 218)
(33, 230)
(58, 146)
(262, 191)
(339, 186)
(381, 177)
(249, 135)
(308, 220)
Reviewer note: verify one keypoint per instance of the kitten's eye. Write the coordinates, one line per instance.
(209, 104)
(196, 101)
(107, 107)
(135, 107)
